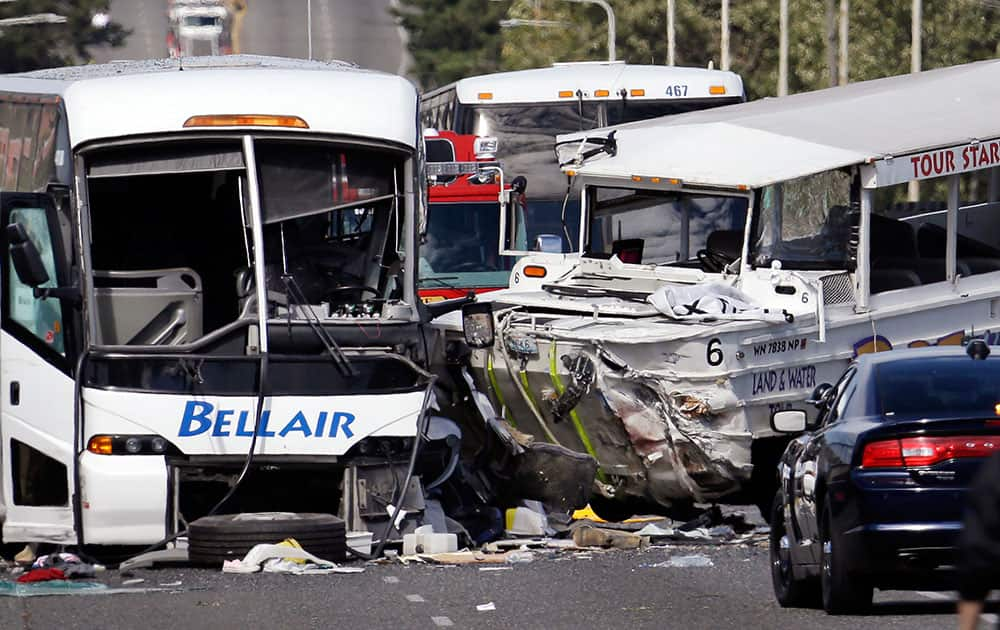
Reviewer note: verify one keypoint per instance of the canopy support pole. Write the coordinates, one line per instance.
(951, 220)
(864, 248)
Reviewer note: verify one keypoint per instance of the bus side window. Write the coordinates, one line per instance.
(42, 318)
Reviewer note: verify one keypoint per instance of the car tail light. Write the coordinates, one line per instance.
(927, 451)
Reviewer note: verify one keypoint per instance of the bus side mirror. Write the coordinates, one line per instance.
(27, 261)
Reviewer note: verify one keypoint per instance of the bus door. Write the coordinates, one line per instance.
(37, 452)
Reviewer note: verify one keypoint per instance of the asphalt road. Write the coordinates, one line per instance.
(361, 31)
(615, 589)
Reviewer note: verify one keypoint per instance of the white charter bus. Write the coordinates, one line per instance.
(207, 273)
(525, 110)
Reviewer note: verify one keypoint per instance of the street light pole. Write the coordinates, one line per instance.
(309, 25)
(611, 23)
(783, 48)
(671, 44)
(724, 44)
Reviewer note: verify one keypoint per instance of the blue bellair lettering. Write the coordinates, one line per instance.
(241, 425)
(342, 420)
(221, 428)
(298, 423)
(264, 417)
(196, 418)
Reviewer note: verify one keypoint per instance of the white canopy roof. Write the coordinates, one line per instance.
(778, 139)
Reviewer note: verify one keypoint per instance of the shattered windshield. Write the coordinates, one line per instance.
(663, 227)
(331, 221)
(805, 223)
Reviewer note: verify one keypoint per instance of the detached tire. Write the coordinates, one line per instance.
(842, 593)
(213, 539)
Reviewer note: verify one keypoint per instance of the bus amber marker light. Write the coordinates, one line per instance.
(534, 271)
(717, 89)
(246, 120)
(601, 93)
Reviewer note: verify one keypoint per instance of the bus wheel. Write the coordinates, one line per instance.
(213, 539)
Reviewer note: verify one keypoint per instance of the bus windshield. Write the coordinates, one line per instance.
(462, 247)
(527, 132)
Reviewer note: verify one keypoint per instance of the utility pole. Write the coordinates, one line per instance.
(783, 49)
(724, 65)
(913, 190)
(831, 40)
(842, 65)
(309, 25)
(671, 43)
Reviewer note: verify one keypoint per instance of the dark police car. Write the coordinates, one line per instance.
(872, 495)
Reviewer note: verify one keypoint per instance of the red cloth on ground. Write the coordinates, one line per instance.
(42, 575)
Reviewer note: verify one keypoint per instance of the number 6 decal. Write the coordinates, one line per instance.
(714, 353)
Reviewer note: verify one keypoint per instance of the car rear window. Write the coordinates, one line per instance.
(938, 387)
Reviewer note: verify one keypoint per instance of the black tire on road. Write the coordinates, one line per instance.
(842, 593)
(213, 539)
(789, 591)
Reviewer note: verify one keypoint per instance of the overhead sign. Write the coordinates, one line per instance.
(937, 163)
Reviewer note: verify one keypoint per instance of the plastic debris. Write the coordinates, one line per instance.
(132, 581)
(695, 560)
(283, 559)
(522, 521)
(519, 557)
(423, 540)
(486, 607)
(587, 513)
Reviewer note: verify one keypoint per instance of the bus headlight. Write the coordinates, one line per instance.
(130, 445)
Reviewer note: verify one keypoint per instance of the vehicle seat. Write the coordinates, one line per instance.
(890, 279)
(628, 250)
(727, 242)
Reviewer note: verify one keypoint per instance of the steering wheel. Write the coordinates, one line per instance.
(712, 260)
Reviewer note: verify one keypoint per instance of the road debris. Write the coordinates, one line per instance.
(589, 536)
(284, 558)
(486, 607)
(695, 560)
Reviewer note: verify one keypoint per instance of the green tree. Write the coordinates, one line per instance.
(30, 47)
(451, 39)
(954, 32)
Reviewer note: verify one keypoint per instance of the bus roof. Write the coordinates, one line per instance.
(779, 139)
(128, 98)
(545, 84)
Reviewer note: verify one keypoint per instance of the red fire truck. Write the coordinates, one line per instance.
(461, 250)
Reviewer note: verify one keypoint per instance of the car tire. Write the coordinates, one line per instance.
(214, 539)
(789, 591)
(842, 593)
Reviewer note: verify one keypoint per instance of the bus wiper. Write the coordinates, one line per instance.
(606, 144)
(298, 299)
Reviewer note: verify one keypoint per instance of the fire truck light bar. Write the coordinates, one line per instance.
(455, 168)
